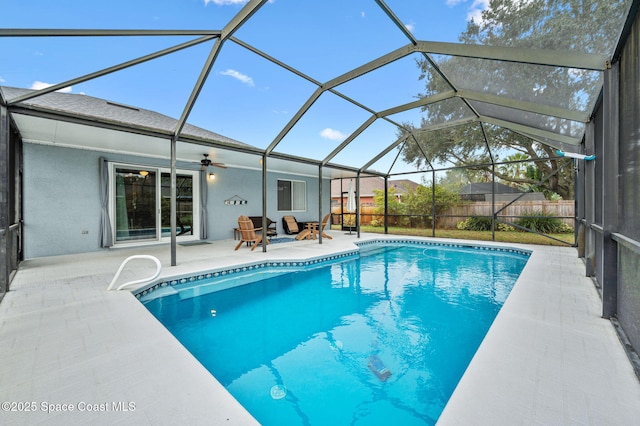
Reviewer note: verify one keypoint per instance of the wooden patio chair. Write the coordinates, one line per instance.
(325, 220)
(248, 233)
(312, 231)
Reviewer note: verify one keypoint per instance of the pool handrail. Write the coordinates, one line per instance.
(140, 281)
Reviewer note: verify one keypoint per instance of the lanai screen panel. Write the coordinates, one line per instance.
(249, 98)
(38, 62)
(540, 84)
(563, 127)
(397, 83)
(305, 34)
(590, 26)
(392, 163)
(443, 112)
(322, 128)
(378, 136)
(508, 145)
(323, 43)
(442, 148)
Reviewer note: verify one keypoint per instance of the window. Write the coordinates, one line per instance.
(141, 204)
(292, 195)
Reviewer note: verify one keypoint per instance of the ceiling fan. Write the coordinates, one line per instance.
(205, 162)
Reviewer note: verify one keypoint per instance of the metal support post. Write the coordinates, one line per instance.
(5, 234)
(493, 201)
(320, 205)
(358, 203)
(610, 197)
(433, 203)
(174, 209)
(264, 202)
(386, 204)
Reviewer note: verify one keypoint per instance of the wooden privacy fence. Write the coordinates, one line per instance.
(563, 209)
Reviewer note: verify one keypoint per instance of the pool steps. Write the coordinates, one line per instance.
(221, 279)
(200, 288)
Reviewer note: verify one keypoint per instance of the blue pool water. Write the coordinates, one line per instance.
(381, 338)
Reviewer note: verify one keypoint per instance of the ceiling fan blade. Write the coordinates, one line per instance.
(221, 165)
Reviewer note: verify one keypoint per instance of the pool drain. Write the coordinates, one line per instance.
(278, 392)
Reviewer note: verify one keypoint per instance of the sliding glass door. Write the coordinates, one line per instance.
(136, 217)
(184, 205)
(141, 207)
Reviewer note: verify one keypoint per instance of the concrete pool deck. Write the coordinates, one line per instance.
(68, 344)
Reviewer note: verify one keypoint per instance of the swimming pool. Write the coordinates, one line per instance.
(372, 338)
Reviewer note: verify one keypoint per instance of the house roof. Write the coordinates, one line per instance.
(98, 110)
(369, 184)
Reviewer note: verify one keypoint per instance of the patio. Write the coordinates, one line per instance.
(549, 357)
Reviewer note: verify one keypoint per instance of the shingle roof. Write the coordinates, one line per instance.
(369, 184)
(111, 112)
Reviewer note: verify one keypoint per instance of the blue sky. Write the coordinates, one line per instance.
(246, 97)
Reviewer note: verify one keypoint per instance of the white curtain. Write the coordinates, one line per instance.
(204, 191)
(106, 235)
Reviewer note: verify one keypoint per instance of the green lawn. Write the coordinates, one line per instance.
(502, 236)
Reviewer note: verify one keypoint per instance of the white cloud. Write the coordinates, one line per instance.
(334, 135)
(1, 79)
(475, 11)
(37, 85)
(362, 14)
(410, 27)
(225, 2)
(239, 76)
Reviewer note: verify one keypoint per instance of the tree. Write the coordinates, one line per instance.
(395, 207)
(514, 166)
(416, 203)
(572, 25)
(419, 202)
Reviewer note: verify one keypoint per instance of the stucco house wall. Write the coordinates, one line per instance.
(247, 184)
(62, 202)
